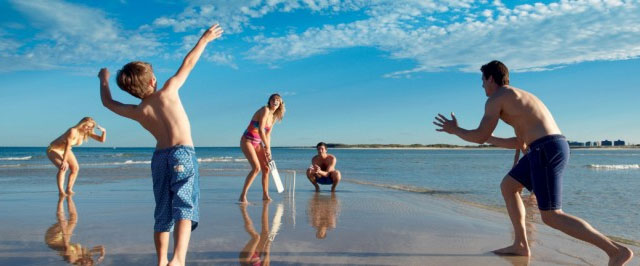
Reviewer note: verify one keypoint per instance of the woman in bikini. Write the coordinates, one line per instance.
(256, 143)
(60, 154)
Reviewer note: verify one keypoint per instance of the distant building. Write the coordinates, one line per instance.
(592, 144)
(606, 143)
(576, 144)
(618, 143)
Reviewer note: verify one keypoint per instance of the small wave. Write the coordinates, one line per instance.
(136, 162)
(10, 165)
(407, 188)
(220, 159)
(614, 166)
(121, 163)
(16, 158)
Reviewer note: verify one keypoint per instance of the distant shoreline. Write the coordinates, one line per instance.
(369, 146)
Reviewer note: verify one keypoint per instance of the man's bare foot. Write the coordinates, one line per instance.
(623, 256)
(513, 250)
(70, 192)
(61, 194)
(266, 198)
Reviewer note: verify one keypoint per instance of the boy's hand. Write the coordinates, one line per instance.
(104, 74)
(212, 33)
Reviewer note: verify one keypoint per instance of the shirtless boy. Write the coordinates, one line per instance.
(174, 166)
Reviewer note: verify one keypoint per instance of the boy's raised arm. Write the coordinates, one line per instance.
(126, 110)
(175, 82)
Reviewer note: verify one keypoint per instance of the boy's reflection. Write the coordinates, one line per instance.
(58, 237)
(323, 213)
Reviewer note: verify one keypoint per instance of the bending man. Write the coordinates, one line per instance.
(540, 170)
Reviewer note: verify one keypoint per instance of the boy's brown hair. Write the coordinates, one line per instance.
(135, 78)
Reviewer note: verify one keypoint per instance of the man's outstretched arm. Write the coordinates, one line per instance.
(126, 110)
(479, 135)
(190, 60)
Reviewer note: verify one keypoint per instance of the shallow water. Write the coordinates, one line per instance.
(599, 185)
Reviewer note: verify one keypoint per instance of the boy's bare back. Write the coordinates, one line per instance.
(163, 115)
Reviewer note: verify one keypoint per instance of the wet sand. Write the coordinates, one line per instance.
(358, 225)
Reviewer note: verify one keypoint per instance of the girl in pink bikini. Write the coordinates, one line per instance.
(256, 143)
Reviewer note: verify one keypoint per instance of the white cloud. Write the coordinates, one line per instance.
(235, 16)
(221, 59)
(435, 34)
(71, 33)
(7, 45)
(526, 37)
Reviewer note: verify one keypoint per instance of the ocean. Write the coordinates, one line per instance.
(599, 185)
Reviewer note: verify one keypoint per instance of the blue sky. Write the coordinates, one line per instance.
(354, 71)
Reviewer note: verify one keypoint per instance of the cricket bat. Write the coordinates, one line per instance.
(276, 176)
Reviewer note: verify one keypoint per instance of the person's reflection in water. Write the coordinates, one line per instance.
(323, 213)
(257, 250)
(58, 237)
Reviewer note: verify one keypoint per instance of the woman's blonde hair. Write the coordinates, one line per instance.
(278, 114)
(83, 121)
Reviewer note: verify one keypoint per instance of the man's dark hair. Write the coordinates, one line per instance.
(321, 144)
(497, 70)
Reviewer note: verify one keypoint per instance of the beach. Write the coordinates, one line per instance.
(363, 223)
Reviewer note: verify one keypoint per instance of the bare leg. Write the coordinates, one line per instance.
(181, 238)
(265, 186)
(161, 240)
(336, 176)
(56, 159)
(580, 229)
(312, 178)
(252, 157)
(75, 168)
(511, 193)
(60, 177)
(262, 158)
